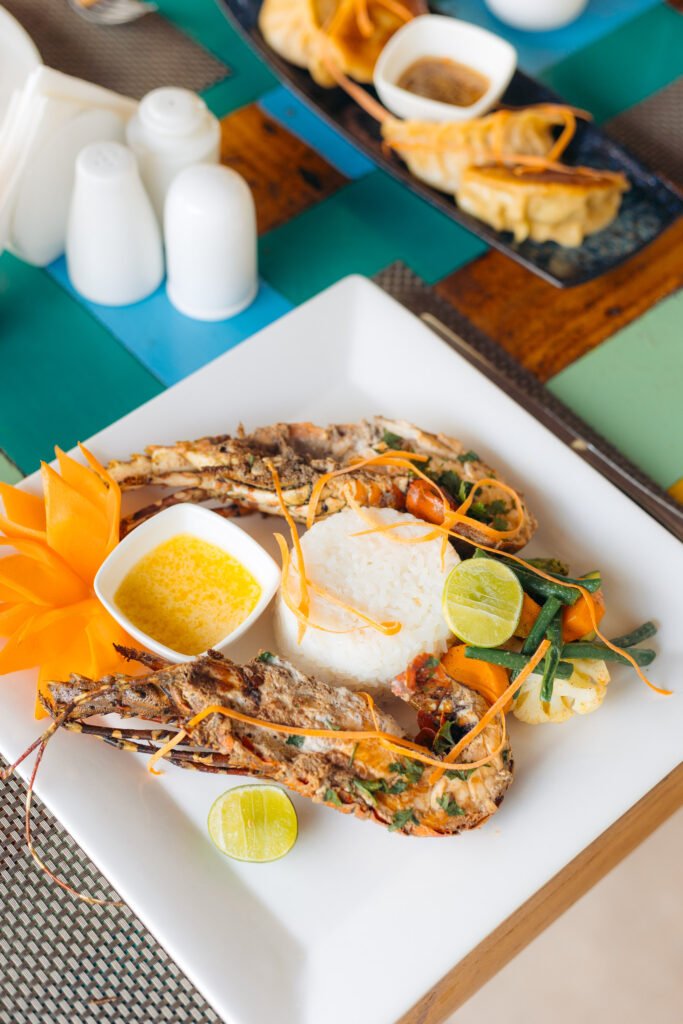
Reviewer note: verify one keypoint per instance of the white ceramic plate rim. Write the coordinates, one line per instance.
(271, 942)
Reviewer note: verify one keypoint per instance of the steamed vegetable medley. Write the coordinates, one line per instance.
(500, 612)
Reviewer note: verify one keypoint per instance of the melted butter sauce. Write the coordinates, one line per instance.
(445, 80)
(188, 594)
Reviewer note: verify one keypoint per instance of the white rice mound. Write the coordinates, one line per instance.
(384, 579)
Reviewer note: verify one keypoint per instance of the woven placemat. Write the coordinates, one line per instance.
(64, 962)
(653, 131)
(130, 59)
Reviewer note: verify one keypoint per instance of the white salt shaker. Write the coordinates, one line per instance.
(537, 15)
(210, 231)
(114, 251)
(172, 129)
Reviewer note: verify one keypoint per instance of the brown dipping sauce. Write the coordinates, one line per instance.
(445, 80)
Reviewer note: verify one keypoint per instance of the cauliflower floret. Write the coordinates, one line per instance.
(582, 693)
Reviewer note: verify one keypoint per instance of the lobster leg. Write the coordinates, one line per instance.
(194, 494)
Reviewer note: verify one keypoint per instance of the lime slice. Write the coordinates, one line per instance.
(482, 602)
(253, 823)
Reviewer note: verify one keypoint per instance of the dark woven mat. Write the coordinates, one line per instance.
(131, 59)
(653, 130)
(64, 962)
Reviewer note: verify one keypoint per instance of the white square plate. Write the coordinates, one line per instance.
(356, 923)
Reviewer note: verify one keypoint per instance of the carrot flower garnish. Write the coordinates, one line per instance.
(49, 614)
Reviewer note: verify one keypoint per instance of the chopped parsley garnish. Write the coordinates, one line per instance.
(411, 770)
(250, 459)
(368, 787)
(266, 657)
(295, 741)
(490, 512)
(400, 786)
(450, 806)
(462, 774)
(401, 819)
(469, 456)
(478, 510)
(331, 725)
(464, 489)
(332, 798)
(497, 506)
(392, 440)
(443, 741)
(450, 481)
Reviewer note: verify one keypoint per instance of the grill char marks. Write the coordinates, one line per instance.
(364, 778)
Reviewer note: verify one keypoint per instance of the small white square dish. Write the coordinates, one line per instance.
(437, 37)
(200, 523)
(274, 942)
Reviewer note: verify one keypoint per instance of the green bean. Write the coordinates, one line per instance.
(510, 659)
(552, 658)
(546, 615)
(643, 632)
(541, 587)
(594, 652)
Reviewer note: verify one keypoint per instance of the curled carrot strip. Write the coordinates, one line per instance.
(394, 458)
(388, 628)
(396, 744)
(304, 600)
(302, 609)
(163, 751)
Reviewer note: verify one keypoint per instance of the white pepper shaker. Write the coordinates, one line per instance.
(210, 230)
(172, 129)
(114, 252)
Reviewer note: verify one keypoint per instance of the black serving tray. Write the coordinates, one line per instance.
(651, 205)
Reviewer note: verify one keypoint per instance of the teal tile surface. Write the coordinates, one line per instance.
(360, 229)
(539, 50)
(63, 375)
(206, 23)
(624, 67)
(629, 388)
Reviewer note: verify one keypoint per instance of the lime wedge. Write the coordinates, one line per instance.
(482, 602)
(253, 823)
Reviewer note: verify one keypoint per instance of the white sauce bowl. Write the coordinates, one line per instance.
(433, 35)
(205, 525)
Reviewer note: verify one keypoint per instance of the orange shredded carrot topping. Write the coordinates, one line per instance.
(447, 137)
(163, 751)
(451, 516)
(399, 9)
(304, 600)
(363, 19)
(395, 744)
(393, 458)
(364, 100)
(388, 628)
(301, 609)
